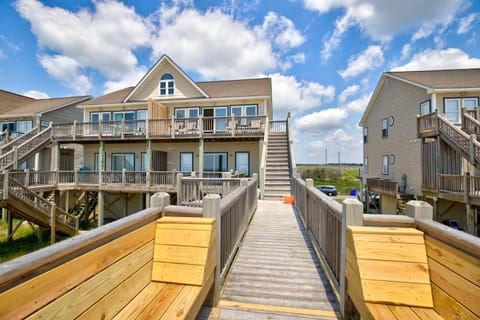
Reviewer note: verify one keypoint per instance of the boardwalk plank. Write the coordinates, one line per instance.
(276, 266)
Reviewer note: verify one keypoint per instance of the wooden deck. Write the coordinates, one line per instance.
(276, 274)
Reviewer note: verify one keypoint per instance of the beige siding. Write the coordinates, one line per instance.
(150, 88)
(173, 152)
(402, 101)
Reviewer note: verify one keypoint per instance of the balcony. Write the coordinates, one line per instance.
(383, 187)
(175, 128)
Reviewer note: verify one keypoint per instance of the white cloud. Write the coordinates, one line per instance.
(36, 94)
(103, 39)
(370, 59)
(67, 71)
(319, 122)
(357, 105)
(292, 95)
(193, 38)
(466, 23)
(281, 31)
(406, 49)
(451, 58)
(382, 20)
(348, 92)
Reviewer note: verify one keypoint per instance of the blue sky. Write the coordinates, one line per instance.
(324, 56)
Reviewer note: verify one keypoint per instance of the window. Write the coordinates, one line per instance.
(186, 161)
(365, 165)
(425, 108)
(122, 161)
(143, 162)
(167, 84)
(385, 128)
(242, 162)
(8, 125)
(452, 107)
(246, 112)
(96, 160)
(365, 135)
(181, 113)
(24, 125)
(385, 161)
(95, 117)
(215, 162)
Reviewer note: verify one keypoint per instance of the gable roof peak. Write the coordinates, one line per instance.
(163, 58)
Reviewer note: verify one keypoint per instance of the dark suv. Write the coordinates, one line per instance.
(328, 190)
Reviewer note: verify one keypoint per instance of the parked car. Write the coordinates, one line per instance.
(328, 190)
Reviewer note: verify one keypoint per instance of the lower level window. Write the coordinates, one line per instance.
(186, 161)
(215, 162)
(122, 161)
(242, 162)
(385, 160)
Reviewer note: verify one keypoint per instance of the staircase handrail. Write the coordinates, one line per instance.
(291, 156)
(7, 159)
(9, 146)
(468, 143)
(35, 200)
(263, 161)
(470, 123)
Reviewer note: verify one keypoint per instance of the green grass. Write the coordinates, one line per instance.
(344, 178)
(24, 241)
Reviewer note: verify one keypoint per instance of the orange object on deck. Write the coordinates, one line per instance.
(288, 200)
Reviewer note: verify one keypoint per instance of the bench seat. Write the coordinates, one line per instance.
(389, 311)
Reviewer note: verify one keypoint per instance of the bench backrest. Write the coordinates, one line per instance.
(93, 285)
(185, 250)
(388, 266)
(455, 278)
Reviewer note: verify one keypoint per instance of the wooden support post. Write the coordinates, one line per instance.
(15, 158)
(473, 138)
(75, 174)
(200, 157)
(419, 210)
(101, 207)
(5, 185)
(308, 184)
(149, 163)
(172, 125)
(124, 176)
(466, 187)
(179, 189)
(101, 163)
(160, 200)
(211, 209)
(53, 220)
(200, 126)
(352, 215)
(123, 129)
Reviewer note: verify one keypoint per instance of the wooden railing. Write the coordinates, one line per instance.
(427, 125)
(278, 126)
(19, 153)
(383, 186)
(469, 122)
(326, 222)
(22, 138)
(191, 191)
(11, 186)
(162, 128)
(322, 218)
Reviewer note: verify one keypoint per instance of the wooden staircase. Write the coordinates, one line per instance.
(277, 170)
(32, 207)
(21, 150)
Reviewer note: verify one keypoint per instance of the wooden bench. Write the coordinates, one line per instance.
(388, 273)
(183, 271)
(123, 270)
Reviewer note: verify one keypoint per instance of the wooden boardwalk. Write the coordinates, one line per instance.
(276, 274)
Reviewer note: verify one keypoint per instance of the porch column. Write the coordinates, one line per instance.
(57, 157)
(434, 102)
(470, 218)
(200, 158)
(101, 207)
(149, 162)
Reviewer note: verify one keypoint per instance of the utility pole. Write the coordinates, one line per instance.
(338, 157)
(325, 155)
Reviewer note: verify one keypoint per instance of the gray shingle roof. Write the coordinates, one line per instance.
(442, 79)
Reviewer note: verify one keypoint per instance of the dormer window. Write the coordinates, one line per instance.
(167, 84)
